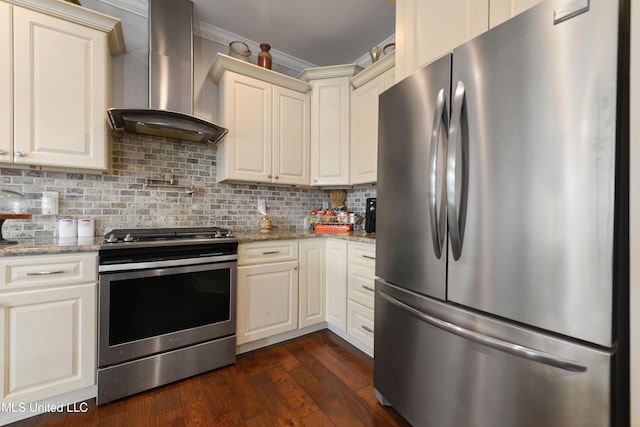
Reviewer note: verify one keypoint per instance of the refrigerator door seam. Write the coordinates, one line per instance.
(500, 345)
(456, 211)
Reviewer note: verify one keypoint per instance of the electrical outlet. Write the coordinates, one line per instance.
(262, 206)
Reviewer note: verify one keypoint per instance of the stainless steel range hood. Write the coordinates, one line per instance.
(170, 112)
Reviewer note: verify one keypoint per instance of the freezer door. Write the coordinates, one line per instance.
(411, 208)
(441, 366)
(534, 122)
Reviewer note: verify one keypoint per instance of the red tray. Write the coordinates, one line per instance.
(332, 228)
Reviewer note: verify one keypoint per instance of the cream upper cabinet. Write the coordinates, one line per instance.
(427, 29)
(268, 117)
(330, 123)
(6, 83)
(367, 87)
(501, 10)
(245, 109)
(291, 134)
(60, 83)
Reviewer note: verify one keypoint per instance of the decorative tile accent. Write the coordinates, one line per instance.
(118, 199)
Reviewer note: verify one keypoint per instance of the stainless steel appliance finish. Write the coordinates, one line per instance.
(170, 112)
(514, 146)
(166, 307)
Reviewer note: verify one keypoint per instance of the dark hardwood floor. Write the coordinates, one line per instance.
(316, 380)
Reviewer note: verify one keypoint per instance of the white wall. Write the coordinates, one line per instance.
(635, 215)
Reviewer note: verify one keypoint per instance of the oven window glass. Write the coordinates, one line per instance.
(151, 306)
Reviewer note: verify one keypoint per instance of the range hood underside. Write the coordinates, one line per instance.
(168, 124)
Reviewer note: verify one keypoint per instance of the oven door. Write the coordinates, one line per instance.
(145, 312)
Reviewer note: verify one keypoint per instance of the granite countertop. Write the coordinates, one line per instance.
(55, 245)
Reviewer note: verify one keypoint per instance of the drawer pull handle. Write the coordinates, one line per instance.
(366, 328)
(368, 288)
(369, 257)
(270, 252)
(45, 273)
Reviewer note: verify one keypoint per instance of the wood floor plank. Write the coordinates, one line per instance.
(316, 380)
(293, 395)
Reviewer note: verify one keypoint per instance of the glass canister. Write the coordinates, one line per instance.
(12, 202)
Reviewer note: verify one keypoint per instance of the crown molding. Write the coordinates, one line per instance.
(329, 72)
(224, 63)
(224, 37)
(374, 70)
(137, 7)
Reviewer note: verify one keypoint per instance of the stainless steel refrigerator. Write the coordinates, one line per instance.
(502, 227)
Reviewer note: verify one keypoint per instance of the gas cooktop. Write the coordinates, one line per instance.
(130, 235)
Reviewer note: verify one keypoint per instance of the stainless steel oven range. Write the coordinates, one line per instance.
(166, 307)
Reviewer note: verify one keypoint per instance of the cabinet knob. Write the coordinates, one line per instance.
(269, 176)
(277, 177)
(3, 153)
(20, 153)
(315, 179)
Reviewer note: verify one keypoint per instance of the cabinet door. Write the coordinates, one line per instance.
(245, 109)
(336, 276)
(426, 29)
(330, 131)
(364, 131)
(267, 300)
(6, 83)
(61, 87)
(312, 282)
(291, 135)
(48, 343)
(501, 10)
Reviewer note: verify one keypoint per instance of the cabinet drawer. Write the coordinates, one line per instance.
(362, 254)
(47, 270)
(360, 324)
(267, 252)
(361, 282)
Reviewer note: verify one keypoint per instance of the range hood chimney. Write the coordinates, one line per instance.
(170, 112)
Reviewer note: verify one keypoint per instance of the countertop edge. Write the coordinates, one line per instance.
(54, 245)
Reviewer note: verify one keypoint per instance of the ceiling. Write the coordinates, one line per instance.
(326, 32)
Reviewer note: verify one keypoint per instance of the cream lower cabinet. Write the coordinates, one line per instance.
(55, 74)
(336, 282)
(311, 281)
(267, 298)
(361, 294)
(48, 325)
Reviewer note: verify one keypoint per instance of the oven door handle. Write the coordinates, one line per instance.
(128, 266)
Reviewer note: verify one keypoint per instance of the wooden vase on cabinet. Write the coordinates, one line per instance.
(264, 57)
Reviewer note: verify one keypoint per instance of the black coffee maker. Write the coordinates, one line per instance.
(370, 216)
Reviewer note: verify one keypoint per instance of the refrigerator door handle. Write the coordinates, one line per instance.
(457, 191)
(438, 222)
(500, 345)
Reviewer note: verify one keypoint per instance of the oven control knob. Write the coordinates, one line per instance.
(217, 235)
(128, 238)
(229, 234)
(112, 238)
